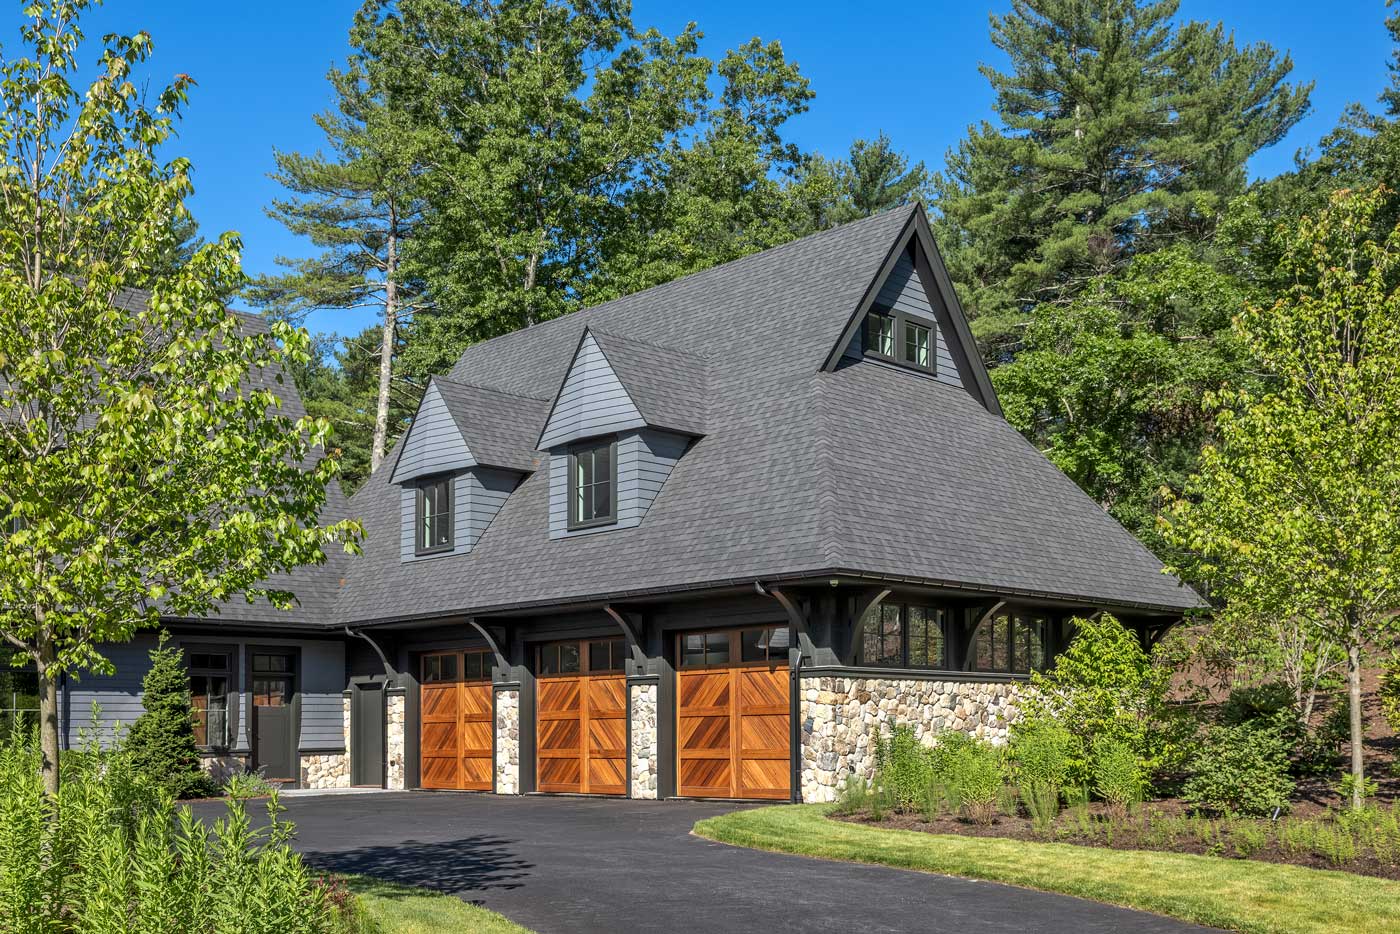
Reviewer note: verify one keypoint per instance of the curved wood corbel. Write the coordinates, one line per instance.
(491, 643)
(634, 641)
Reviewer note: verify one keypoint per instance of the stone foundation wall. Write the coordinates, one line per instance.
(394, 754)
(843, 717)
(508, 742)
(641, 707)
(222, 768)
(325, 770)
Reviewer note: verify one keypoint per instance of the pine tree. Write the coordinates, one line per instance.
(876, 177)
(161, 743)
(1118, 132)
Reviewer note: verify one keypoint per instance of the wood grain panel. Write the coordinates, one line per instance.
(581, 734)
(456, 731)
(732, 732)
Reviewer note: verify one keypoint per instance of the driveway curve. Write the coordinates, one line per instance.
(556, 864)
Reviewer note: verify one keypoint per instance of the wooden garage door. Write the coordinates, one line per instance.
(581, 714)
(455, 736)
(733, 714)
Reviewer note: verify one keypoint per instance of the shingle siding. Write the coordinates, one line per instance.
(592, 401)
(434, 443)
(644, 460)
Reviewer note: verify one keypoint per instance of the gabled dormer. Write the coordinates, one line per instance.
(624, 414)
(911, 319)
(466, 451)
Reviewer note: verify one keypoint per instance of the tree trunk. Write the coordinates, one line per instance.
(386, 351)
(48, 722)
(1358, 768)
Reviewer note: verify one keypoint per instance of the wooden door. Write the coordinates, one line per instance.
(456, 721)
(733, 715)
(581, 718)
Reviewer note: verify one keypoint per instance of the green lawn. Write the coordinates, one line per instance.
(402, 909)
(1227, 893)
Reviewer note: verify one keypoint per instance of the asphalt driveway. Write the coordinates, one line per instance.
(558, 864)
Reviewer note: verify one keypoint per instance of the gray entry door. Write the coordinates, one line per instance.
(367, 735)
(274, 686)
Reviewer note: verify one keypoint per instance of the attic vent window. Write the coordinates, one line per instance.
(593, 484)
(879, 334)
(434, 517)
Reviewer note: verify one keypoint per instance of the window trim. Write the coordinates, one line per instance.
(902, 321)
(231, 688)
(420, 488)
(573, 523)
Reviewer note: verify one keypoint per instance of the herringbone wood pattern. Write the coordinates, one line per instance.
(581, 734)
(455, 735)
(732, 736)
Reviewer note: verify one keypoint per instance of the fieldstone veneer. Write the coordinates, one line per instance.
(330, 770)
(842, 717)
(508, 742)
(396, 717)
(641, 707)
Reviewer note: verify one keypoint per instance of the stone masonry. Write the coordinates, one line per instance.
(394, 740)
(508, 742)
(842, 719)
(223, 767)
(641, 706)
(330, 770)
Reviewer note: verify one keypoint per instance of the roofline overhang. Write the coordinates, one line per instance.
(819, 578)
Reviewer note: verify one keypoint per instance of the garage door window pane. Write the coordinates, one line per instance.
(763, 645)
(569, 658)
(705, 648)
(473, 665)
(605, 655)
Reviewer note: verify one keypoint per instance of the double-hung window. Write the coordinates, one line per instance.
(434, 517)
(593, 484)
(896, 635)
(210, 673)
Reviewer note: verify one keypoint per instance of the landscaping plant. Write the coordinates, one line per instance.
(1040, 755)
(903, 769)
(161, 744)
(111, 852)
(1241, 769)
(975, 780)
(1117, 773)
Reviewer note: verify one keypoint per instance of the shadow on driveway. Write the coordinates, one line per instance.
(465, 867)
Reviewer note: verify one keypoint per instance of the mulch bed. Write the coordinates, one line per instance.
(1127, 835)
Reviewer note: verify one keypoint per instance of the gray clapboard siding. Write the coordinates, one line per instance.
(118, 694)
(323, 680)
(903, 291)
(592, 401)
(477, 495)
(434, 443)
(644, 460)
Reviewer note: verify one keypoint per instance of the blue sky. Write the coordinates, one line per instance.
(909, 70)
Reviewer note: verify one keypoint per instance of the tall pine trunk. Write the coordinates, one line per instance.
(386, 347)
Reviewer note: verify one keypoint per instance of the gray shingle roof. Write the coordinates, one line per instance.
(499, 428)
(669, 387)
(865, 469)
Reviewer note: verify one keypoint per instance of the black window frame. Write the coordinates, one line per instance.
(902, 323)
(942, 614)
(1016, 618)
(447, 515)
(198, 665)
(574, 521)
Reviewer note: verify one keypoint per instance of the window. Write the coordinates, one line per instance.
(763, 645)
(916, 344)
(560, 659)
(434, 517)
(1014, 643)
(19, 696)
(592, 484)
(439, 668)
(607, 655)
(591, 656)
(209, 683)
(704, 648)
(879, 334)
(895, 635)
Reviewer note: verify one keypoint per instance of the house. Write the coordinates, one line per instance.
(704, 540)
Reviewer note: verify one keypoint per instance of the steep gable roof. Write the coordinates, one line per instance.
(804, 466)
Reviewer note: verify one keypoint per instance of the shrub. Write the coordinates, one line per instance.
(947, 747)
(1389, 691)
(1041, 752)
(904, 770)
(111, 853)
(161, 744)
(853, 797)
(1104, 686)
(1118, 777)
(1269, 703)
(975, 780)
(1242, 769)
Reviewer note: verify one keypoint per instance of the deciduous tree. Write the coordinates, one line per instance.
(145, 468)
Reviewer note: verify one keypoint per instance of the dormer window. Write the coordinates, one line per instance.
(593, 484)
(434, 516)
(879, 334)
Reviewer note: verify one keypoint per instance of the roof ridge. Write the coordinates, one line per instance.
(843, 229)
(499, 392)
